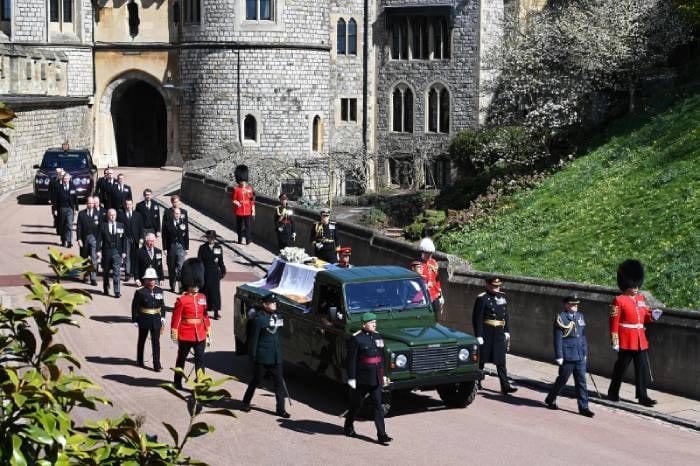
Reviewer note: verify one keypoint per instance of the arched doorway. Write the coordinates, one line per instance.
(140, 124)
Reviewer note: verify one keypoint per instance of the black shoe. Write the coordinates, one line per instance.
(216, 315)
(178, 386)
(127, 277)
(586, 412)
(63, 244)
(384, 439)
(551, 404)
(478, 385)
(613, 397)
(158, 369)
(117, 295)
(349, 432)
(105, 291)
(283, 414)
(140, 364)
(646, 401)
(93, 282)
(70, 245)
(509, 390)
(246, 407)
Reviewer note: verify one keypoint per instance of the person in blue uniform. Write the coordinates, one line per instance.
(491, 328)
(366, 375)
(571, 354)
(266, 353)
(148, 312)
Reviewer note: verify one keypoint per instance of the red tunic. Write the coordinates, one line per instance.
(628, 314)
(430, 275)
(190, 321)
(246, 196)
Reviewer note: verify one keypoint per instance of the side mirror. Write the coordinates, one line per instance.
(36, 167)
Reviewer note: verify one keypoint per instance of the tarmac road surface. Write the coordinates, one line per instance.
(493, 430)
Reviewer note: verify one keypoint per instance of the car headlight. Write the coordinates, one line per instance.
(401, 361)
(47, 181)
(463, 355)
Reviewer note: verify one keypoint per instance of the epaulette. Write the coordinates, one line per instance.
(481, 294)
(357, 333)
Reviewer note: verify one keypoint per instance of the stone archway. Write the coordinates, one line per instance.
(124, 109)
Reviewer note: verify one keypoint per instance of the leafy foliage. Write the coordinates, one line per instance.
(37, 396)
(6, 117)
(374, 218)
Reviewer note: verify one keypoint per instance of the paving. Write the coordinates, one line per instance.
(493, 430)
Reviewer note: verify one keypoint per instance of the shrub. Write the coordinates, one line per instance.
(374, 218)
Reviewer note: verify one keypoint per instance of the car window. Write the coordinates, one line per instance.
(387, 294)
(65, 160)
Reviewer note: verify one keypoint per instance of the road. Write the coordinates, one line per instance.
(494, 430)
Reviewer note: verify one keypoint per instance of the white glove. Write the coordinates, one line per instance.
(294, 236)
(656, 314)
(208, 342)
(480, 340)
(559, 361)
(507, 336)
(136, 324)
(319, 245)
(138, 282)
(441, 300)
(162, 320)
(616, 348)
(352, 383)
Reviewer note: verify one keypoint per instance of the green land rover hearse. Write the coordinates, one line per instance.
(322, 308)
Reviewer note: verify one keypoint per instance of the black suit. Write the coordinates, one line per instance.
(144, 261)
(104, 191)
(151, 216)
(67, 205)
(119, 195)
(168, 215)
(111, 245)
(88, 227)
(214, 271)
(133, 224)
(176, 241)
(54, 183)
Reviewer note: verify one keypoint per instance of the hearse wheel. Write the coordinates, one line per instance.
(458, 395)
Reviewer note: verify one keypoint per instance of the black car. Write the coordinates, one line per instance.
(77, 162)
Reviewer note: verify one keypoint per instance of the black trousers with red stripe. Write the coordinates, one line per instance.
(641, 373)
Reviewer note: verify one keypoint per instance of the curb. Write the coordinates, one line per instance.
(594, 398)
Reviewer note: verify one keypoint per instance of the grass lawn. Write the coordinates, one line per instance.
(636, 194)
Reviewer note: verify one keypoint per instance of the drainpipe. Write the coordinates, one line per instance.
(365, 74)
(238, 94)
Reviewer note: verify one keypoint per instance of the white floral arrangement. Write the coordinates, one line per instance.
(295, 255)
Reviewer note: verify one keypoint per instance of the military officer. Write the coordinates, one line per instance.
(148, 313)
(344, 254)
(491, 328)
(324, 238)
(176, 243)
(366, 375)
(67, 205)
(284, 223)
(266, 353)
(87, 229)
(570, 354)
(150, 256)
(190, 327)
(243, 200)
(430, 275)
(150, 213)
(111, 251)
(628, 315)
(212, 256)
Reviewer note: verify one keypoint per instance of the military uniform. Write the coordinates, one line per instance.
(265, 351)
(284, 227)
(491, 323)
(571, 353)
(243, 200)
(365, 365)
(148, 310)
(325, 240)
(190, 326)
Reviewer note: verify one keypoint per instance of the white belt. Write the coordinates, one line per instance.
(632, 325)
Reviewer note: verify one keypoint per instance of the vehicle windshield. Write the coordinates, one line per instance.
(65, 160)
(407, 293)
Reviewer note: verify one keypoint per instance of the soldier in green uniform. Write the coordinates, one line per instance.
(148, 313)
(266, 353)
(366, 375)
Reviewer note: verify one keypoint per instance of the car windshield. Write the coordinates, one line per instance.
(65, 160)
(401, 294)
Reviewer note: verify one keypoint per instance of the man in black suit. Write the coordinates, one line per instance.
(111, 251)
(176, 243)
(88, 227)
(54, 183)
(176, 204)
(149, 256)
(150, 212)
(121, 193)
(133, 226)
(67, 205)
(103, 190)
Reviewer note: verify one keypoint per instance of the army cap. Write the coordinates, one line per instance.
(493, 280)
(325, 211)
(368, 317)
(269, 298)
(571, 299)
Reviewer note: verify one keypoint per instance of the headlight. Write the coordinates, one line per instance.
(401, 361)
(463, 355)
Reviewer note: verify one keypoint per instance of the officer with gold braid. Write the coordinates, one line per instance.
(571, 354)
(148, 313)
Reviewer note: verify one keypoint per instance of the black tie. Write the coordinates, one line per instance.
(111, 229)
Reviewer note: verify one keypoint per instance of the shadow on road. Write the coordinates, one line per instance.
(111, 319)
(42, 243)
(48, 233)
(311, 427)
(111, 361)
(135, 381)
(38, 226)
(512, 400)
(27, 199)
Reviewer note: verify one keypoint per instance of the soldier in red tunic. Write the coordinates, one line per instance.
(628, 314)
(243, 200)
(430, 275)
(190, 326)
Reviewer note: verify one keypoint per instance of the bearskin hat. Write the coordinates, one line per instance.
(630, 274)
(241, 173)
(192, 274)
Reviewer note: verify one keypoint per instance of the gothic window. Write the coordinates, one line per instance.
(259, 10)
(250, 128)
(352, 37)
(193, 12)
(420, 38)
(317, 134)
(402, 109)
(348, 109)
(5, 10)
(438, 109)
(61, 11)
(342, 34)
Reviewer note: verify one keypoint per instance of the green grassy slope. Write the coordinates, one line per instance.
(635, 195)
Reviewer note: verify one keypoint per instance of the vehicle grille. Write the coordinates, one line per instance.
(434, 359)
